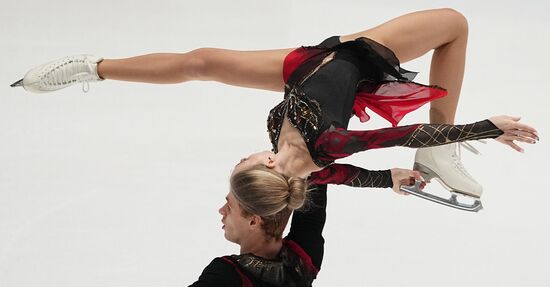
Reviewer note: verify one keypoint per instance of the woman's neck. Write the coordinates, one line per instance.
(295, 160)
(293, 157)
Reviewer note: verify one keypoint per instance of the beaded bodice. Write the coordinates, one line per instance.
(302, 112)
(315, 97)
(288, 270)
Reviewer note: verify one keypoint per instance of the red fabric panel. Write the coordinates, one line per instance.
(295, 58)
(393, 100)
(297, 249)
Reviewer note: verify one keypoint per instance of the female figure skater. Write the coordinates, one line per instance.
(323, 86)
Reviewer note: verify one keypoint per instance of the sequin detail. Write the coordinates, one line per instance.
(301, 111)
(288, 270)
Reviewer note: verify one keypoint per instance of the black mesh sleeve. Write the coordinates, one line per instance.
(307, 225)
(351, 175)
(438, 134)
(338, 143)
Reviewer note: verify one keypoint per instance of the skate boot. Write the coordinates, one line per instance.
(443, 164)
(61, 73)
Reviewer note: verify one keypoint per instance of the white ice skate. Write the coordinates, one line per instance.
(443, 163)
(61, 73)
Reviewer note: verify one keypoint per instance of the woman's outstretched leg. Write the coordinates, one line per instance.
(446, 32)
(252, 69)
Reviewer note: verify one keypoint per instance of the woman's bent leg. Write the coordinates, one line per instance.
(412, 35)
(252, 69)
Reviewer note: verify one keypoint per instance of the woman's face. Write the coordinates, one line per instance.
(235, 225)
(263, 157)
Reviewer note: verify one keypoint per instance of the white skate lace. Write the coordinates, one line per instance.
(68, 72)
(456, 156)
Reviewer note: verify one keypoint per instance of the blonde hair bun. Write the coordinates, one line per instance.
(297, 188)
(262, 191)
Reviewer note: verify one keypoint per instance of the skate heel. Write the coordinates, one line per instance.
(425, 172)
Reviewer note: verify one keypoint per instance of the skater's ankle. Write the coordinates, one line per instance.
(99, 69)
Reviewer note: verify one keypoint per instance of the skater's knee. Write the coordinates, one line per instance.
(197, 63)
(457, 21)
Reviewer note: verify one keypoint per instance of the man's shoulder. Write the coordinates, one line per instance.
(220, 272)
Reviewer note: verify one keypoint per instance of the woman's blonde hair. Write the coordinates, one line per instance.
(270, 195)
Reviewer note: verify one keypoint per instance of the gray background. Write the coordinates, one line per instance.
(121, 186)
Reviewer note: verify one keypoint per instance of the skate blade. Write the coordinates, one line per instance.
(451, 202)
(17, 84)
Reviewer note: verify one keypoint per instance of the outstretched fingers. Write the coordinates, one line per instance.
(514, 131)
(509, 141)
(523, 129)
(526, 136)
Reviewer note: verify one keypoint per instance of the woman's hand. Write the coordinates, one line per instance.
(400, 176)
(514, 131)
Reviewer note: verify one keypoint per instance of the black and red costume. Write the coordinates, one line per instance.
(325, 85)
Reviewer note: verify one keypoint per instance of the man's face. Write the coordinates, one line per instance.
(235, 225)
